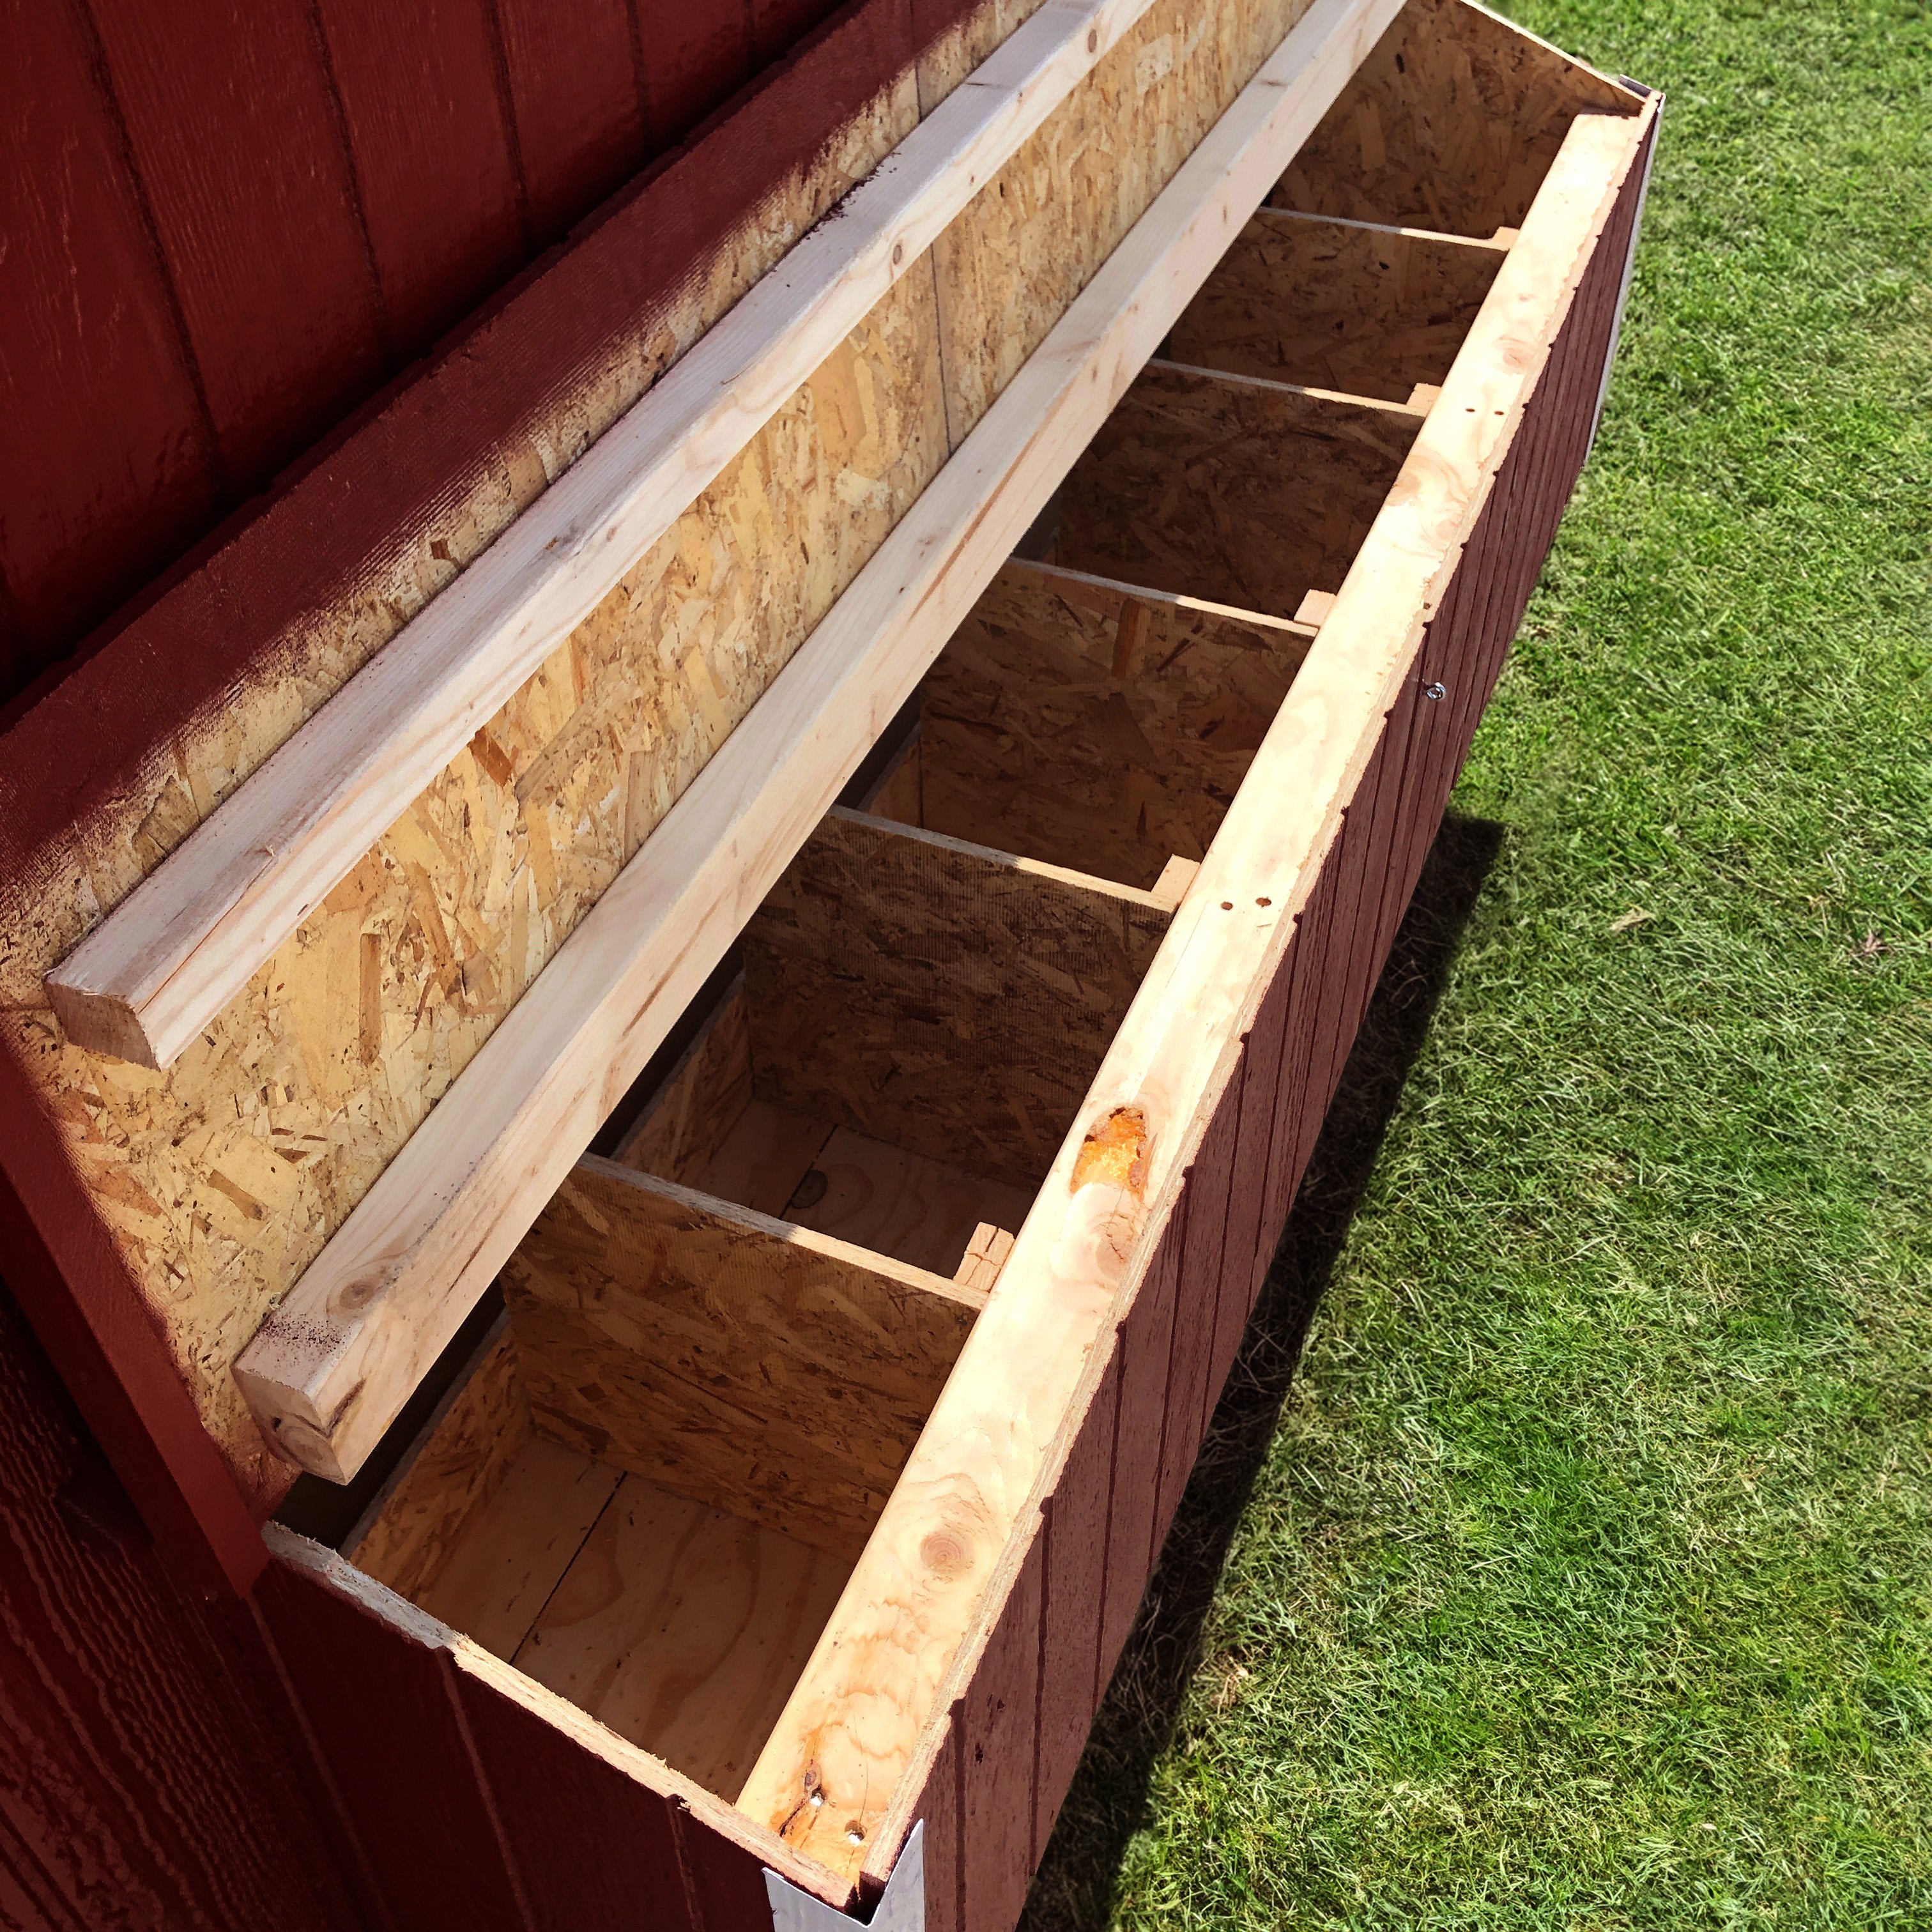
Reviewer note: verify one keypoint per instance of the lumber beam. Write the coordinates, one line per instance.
(871, 1709)
(330, 1368)
(187, 941)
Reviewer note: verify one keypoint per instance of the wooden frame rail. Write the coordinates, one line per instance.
(330, 1369)
(844, 1774)
(188, 938)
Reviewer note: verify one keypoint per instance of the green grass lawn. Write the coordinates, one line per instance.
(1575, 1569)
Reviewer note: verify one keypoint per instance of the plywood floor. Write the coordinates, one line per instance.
(680, 1628)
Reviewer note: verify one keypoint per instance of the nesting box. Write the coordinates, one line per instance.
(734, 1085)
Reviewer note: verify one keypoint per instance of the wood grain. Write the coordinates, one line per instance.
(1452, 123)
(683, 1629)
(1228, 488)
(925, 1213)
(1337, 305)
(421, 1244)
(1027, 244)
(189, 939)
(953, 1000)
(764, 1370)
(468, 1447)
(1096, 725)
(904, 1616)
(685, 1123)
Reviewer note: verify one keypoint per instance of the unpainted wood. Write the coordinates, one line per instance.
(327, 1374)
(679, 1134)
(469, 1447)
(164, 963)
(1033, 237)
(906, 1621)
(1228, 488)
(1337, 305)
(1093, 724)
(683, 1628)
(759, 1368)
(925, 1213)
(515, 1547)
(226, 1175)
(1451, 124)
(949, 998)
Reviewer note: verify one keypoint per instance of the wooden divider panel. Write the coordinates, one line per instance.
(1247, 492)
(951, 999)
(1451, 123)
(1096, 725)
(1337, 304)
(769, 1372)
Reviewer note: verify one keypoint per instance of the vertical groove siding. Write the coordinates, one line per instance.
(230, 222)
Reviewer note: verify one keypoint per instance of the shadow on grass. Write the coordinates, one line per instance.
(1079, 1875)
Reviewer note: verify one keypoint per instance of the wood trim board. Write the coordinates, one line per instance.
(1084, 1248)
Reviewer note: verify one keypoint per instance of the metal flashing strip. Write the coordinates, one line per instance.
(901, 1909)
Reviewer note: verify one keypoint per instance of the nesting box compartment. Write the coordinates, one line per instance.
(794, 1509)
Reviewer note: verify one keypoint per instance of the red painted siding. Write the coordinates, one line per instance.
(230, 222)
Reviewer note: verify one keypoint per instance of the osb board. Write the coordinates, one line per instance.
(1093, 725)
(1372, 311)
(678, 1133)
(1034, 236)
(949, 57)
(1224, 487)
(469, 1447)
(771, 1373)
(684, 1629)
(1451, 123)
(222, 1178)
(954, 1001)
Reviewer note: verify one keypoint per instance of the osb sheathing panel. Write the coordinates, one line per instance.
(1370, 311)
(1035, 235)
(954, 1002)
(1231, 489)
(761, 1370)
(1095, 726)
(952, 54)
(461, 1466)
(1451, 123)
(223, 1177)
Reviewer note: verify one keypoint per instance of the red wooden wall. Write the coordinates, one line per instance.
(226, 223)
